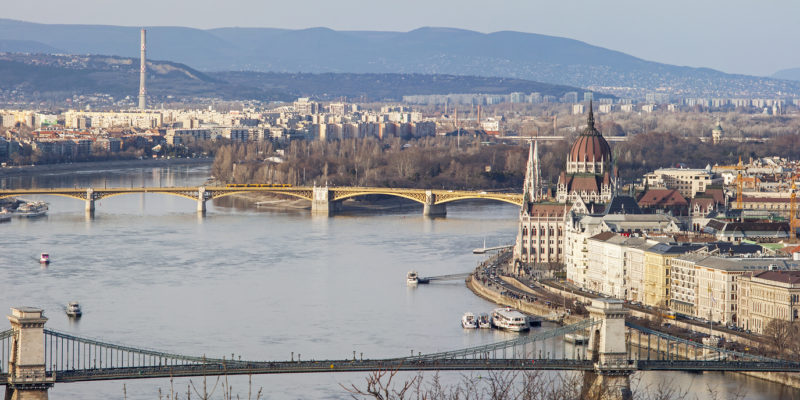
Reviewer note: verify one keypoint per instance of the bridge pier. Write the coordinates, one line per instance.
(89, 202)
(321, 204)
(27, 375)
(610, 379)
(431, 209)
(201, 200)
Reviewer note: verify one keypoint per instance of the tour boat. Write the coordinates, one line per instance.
(412, 279)
(44, 258)
(484, 322)
(468, 321)
(32, 209)
(510, 319)
(74, 309)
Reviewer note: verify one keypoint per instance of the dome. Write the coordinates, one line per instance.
(591, 146)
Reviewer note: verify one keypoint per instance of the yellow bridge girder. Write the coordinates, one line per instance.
(302, 192)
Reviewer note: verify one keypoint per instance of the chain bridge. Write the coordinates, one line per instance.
(324, 200)
(37, 358)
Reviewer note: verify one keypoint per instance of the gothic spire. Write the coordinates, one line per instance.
(533, 179)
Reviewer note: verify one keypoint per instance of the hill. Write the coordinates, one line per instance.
(518, 55)
(789, 73)
(53, 77)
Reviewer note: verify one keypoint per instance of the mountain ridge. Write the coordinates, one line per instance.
(426, 50)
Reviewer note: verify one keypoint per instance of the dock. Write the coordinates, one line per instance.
(484, 250)
(451, 277)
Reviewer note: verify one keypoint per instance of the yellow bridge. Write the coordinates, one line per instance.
(324, 200)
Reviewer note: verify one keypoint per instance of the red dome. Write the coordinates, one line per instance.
(590, 146)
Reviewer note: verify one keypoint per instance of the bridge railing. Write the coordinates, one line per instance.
(489, 350)
(721, 353)
(68, 352)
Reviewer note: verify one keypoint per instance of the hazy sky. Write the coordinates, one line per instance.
(739, 36)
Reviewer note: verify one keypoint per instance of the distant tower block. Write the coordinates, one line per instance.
(142, 73)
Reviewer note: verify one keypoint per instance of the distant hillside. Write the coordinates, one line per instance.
(47, 76)
(390, 87)
(427, 51)
(790, 74)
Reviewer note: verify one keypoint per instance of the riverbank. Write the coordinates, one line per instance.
(100, 165)
(510, 291)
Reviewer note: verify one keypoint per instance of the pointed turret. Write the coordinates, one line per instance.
(532, 187)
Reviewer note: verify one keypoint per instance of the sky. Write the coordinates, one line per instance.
(756, 37)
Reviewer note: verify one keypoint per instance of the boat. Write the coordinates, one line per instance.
(74, 309)
(469, 321)
(510, 319)
(44, 258)
(412, 279)
(5, 215)
(484, 322)
(32, 209)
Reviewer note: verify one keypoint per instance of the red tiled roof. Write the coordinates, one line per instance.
(780, 276)
(546, 210)
(662, 198)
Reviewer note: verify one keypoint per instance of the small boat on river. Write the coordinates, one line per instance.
(484, 322)
(412, 279)
(74, 309)
(5, 215)
(468, 321)
(44, 258)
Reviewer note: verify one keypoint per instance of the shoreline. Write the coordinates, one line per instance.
(491, 293)
(100, 165)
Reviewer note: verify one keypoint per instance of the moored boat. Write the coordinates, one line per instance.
(412, 279)
(5, 215)
(484, 322)
(32, 209)
(74, 309)
(510, 319)
(469, 321)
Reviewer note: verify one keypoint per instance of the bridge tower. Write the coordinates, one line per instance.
(321, 203)
(610, 379)
(27, 376)
(432, 209)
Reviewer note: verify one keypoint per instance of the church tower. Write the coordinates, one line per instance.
(532, 188)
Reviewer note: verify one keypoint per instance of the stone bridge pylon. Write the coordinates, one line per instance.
(27, 373)
(610, 378)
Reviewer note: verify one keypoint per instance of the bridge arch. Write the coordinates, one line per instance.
(299, 195)
(509, 200)
(408, 196)
(71, 196)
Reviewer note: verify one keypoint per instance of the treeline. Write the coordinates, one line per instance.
(440, 162)
(421, 163)
(646, 152)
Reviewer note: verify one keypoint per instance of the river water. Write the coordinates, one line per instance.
(149, 272)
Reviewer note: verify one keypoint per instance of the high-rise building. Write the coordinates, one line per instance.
(142, 74)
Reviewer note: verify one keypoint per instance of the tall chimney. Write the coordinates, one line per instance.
(142, 72)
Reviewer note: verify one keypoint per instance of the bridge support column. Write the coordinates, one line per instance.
(27, 375)
(90, 202)
(321, 204)
(201, 200)
(431, 209)
(610, 379)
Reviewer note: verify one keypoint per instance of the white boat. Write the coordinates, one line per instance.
(32, 209)
(412, 279)
(576, 339)
(469, 321)
(44, 258)
(74, 309)
(484, 322)
(5, 215)
(510, 319)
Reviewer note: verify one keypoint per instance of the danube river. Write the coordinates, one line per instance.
(149, 272)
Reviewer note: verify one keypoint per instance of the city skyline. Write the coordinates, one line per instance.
(734, 37)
